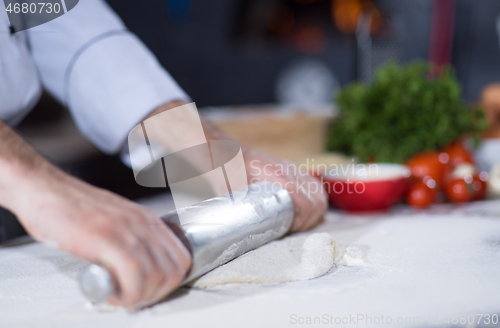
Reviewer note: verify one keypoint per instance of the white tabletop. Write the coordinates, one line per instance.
(440, 262)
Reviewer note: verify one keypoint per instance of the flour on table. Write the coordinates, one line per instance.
(291, 259)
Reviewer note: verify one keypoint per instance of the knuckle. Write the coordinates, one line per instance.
(186, 263)
(132, 298)
(176, 277)
(167, 287)
(100, 225)
(133, 241)
(156, 274)
(148, 212)
(139, 215)
(131, 263)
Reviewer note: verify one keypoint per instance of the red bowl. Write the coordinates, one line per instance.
(375, 188)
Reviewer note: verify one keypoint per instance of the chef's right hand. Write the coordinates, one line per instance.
(143, 255)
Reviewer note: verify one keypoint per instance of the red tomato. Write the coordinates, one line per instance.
(458, 153)
(421, 195)
(459, 191)
(479, 185)
(429, 164)
(466, 184)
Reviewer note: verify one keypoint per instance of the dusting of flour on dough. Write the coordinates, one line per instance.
(291, 259)
(353, 256)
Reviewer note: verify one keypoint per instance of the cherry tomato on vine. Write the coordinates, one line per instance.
(459, 190)
(421, 195)
(458, 154)
(479, 185)
(431, 164)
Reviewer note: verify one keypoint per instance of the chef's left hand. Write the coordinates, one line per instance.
(308, 195)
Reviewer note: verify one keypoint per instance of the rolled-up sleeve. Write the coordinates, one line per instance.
(103, 73)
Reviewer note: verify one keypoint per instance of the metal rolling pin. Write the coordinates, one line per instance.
(218, 231)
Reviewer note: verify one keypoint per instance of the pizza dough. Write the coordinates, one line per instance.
(290, 259)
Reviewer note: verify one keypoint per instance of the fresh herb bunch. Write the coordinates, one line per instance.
(400, 113)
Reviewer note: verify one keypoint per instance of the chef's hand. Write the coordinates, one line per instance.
(143, 255)
(308, 195)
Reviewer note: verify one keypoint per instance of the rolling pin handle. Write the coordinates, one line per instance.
(96, 283)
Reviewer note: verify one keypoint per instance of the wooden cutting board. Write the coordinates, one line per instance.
(285, 132)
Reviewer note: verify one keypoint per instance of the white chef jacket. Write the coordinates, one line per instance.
(88, 60)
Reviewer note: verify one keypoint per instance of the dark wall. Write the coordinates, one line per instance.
(215, 68)
(208, 61)
(476, 48)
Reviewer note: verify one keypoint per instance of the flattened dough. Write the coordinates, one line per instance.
(291, 259)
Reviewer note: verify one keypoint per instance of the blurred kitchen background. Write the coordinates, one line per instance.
(266, 58)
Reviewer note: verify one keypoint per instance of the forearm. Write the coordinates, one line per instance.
(21, 169)
(141, 253)
(211, 132)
